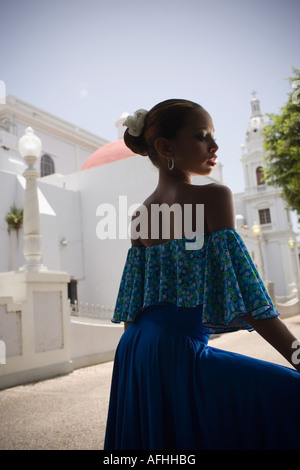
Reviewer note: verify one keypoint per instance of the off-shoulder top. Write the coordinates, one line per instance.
(220, 277)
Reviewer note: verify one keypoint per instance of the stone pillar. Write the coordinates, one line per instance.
(270, 289)
(36, 328)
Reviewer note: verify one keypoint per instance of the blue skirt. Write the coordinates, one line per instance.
(171, 391)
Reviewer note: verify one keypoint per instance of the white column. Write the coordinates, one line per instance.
(295, 265)
(261, 267)
(256, 230)
(30, 147)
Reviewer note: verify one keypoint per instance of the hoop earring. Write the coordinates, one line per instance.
(172, 163)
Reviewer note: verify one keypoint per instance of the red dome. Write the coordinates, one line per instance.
(111, 152)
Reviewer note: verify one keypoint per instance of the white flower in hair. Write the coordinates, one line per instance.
(136, 122)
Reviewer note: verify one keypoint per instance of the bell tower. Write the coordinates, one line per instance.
(252, 150)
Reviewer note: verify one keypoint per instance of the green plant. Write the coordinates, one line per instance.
(14, 218)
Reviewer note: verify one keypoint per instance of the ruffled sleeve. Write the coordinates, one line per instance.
(233, 286)
(220, 278)
(131, 290)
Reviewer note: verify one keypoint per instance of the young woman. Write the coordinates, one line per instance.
(170, 390)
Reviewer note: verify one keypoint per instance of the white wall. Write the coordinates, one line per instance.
(93, 341)
(65, 223)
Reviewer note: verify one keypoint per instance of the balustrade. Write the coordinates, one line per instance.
(80, 309)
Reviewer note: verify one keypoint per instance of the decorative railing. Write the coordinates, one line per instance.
(101, 312)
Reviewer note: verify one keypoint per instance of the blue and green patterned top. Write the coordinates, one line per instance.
(221, 277)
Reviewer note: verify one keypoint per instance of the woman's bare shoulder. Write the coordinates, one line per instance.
(212, 190)
(219, 209)
(212, 187)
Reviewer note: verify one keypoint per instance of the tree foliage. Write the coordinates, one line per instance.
(282, 143)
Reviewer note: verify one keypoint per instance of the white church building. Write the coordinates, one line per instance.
(83, 178)
(264, 222)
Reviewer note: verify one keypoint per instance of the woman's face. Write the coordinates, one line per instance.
(194, 148)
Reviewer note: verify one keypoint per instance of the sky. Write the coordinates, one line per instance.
(88, 61)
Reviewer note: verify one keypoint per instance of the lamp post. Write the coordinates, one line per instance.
(256, 230)
(30, 148)
(291, 243)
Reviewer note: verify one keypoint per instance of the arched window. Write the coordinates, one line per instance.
(260, 175)
(47, 165)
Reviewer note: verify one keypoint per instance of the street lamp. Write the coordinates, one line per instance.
(256, 230)
(291, 243)
(30, 148)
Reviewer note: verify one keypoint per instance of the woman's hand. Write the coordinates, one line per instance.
(277, 334)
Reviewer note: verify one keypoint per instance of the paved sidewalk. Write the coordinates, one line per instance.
(69, 412)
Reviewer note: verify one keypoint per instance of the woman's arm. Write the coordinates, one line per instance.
(126, 325)
(221, 213)
(277, 334)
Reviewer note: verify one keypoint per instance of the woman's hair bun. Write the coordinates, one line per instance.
(136, 144)
(133, 135)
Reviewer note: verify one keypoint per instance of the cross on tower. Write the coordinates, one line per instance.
(253, 93)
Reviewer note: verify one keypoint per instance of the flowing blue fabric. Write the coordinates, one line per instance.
(170, 390)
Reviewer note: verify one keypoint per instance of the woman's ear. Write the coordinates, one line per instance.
(163, 147)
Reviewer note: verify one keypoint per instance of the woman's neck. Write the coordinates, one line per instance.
(172, 179)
